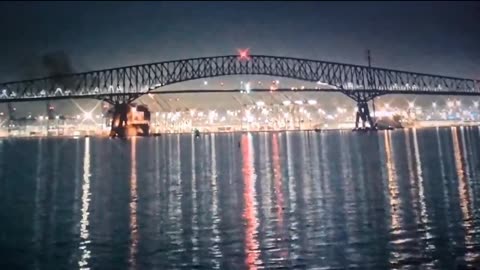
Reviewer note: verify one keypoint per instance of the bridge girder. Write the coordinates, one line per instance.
(125, 83)
(119, 99)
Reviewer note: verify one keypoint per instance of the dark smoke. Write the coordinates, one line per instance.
(55, 63)
(58, 64)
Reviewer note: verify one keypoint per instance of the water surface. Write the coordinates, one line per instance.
(403, 199)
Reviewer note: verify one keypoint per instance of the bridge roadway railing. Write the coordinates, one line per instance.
(134, 81)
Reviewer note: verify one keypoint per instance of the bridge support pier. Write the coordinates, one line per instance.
(363, 112)
(120, 113)
(119, 120)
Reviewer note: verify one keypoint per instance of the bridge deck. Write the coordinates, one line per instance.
(137, 80)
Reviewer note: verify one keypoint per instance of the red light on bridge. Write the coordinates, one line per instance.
(244, 54)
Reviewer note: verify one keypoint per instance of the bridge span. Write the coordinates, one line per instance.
(120, 86)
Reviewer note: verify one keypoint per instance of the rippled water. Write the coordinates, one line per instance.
(396, 199)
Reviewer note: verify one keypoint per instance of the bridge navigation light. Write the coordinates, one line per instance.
(475, 104)
(434, 104)
(205, 83)
(243, 54)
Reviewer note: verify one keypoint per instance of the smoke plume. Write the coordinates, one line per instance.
(57, 64)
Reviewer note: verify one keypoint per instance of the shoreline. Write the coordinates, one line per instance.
(236, 131)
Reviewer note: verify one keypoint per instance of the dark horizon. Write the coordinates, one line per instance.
(426, 37)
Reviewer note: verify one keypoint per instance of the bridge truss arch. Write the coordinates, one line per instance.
(124, 84)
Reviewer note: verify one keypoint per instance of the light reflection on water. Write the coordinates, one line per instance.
(133, 205)
(84, 223)
(332, 200)
(250, 209)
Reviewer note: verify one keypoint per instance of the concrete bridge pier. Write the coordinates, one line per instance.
(363, 113)
(128, 119)
(119, 120)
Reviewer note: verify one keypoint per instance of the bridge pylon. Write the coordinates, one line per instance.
(362, 97)
(363, 113)
(120, 113)
(119, 120)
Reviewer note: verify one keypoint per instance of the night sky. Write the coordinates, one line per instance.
(439, 38)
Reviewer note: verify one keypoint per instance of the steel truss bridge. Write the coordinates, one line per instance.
(125, 84)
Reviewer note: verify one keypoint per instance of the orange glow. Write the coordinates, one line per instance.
(133, 204)
(460, 168)
(250, 212)
(134, 118)
(464, 195)
(392, 182)
(394, 198)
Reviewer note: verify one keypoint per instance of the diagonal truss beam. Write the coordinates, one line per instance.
(133, 81)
